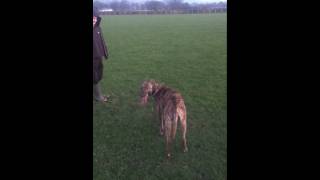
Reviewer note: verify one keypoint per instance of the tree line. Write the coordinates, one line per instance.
(158, 6)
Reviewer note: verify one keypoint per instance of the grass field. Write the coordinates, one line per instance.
(186, 52)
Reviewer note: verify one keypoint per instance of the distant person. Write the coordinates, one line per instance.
(100, 51)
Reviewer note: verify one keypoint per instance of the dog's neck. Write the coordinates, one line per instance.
(155, 89)
(154, 92)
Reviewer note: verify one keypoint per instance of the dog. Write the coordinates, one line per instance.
(170, 107)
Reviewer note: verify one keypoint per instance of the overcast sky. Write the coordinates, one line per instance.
(189, 1)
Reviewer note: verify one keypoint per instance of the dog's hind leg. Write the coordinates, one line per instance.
(184, 139)
(174, 126)
(183, 120)
(167, 132)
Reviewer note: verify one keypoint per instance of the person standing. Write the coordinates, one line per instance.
(100, 52)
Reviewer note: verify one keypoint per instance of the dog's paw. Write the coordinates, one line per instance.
(161, 133)
(185, 150)
(169, 156)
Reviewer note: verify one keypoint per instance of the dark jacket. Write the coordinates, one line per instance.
(100, 51)
(99, 46)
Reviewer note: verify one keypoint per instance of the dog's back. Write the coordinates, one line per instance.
(170, 107)
(166, 95)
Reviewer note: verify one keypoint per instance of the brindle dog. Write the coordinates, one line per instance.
(170, 107)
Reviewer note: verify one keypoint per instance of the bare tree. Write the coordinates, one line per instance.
(155, 5)
(175, 4)
(100, 5)
(115, 5)
(124, 5)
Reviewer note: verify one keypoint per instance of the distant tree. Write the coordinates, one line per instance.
(185, 6)
(222, 4)
(135, 6)
(154, 5)
(99, 5)
(124, 5)
(115, 5)
(175, 4)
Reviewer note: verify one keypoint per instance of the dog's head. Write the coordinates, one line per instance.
(147, 89)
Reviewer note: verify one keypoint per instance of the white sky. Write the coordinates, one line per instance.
(204, 1)
(189, 1)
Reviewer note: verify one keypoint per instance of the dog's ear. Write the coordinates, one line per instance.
(153, 82)
(143, 82)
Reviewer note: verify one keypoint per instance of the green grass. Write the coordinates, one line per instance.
(186, 52)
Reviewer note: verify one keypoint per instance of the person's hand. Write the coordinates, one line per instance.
(94, 20)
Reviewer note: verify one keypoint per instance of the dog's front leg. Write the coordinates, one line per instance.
(160, 119)
(161, 126)
(168, 146)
